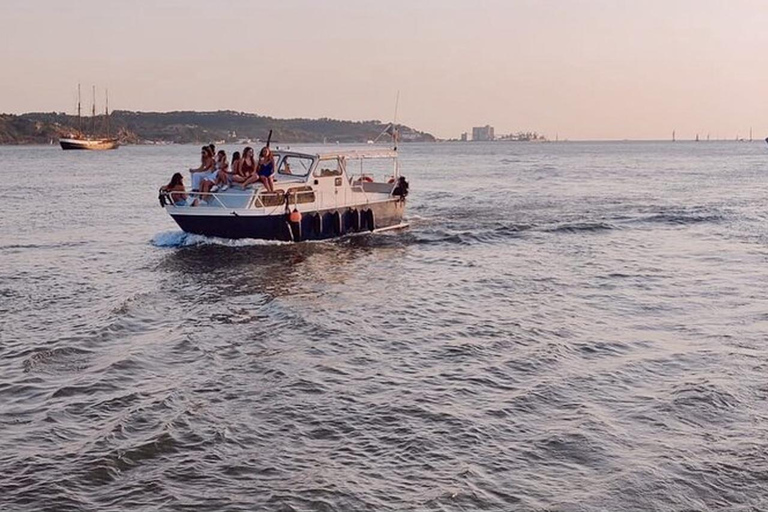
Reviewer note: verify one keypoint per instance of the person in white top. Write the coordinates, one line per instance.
(205, 169)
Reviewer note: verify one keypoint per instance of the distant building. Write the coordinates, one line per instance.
(464, 137)
(483, 133)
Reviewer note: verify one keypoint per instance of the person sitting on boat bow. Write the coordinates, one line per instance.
(234, 169)
(265, 170)
(221, 182)
(206, 169)
(247, 168)
(175, 190)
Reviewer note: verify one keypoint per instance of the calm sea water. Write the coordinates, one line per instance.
(564, 326)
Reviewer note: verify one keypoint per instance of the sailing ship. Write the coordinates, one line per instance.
(81, 141)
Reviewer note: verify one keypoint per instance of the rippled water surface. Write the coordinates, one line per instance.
(564, 326)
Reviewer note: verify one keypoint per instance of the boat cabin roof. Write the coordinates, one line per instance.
(359, 154)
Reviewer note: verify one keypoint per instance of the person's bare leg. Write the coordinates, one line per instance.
(267, 181)
(251, 179)
(205, 189)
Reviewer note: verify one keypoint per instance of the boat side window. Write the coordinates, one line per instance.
(299, 195)
(295, 166)
(329, 167)
(269, 199)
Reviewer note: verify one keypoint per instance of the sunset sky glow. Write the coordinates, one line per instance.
(581, 69)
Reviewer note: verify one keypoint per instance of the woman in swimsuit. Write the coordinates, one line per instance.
(176, 188)
(266, 168)
(234, 169)
(247, 167)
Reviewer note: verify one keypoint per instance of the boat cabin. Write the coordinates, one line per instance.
(315, 182)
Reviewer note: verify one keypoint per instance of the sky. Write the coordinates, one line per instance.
(573, 69)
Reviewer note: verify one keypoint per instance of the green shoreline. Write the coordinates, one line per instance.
(188, 127)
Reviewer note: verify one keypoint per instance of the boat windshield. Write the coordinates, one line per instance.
(328, 167)
(293, 165)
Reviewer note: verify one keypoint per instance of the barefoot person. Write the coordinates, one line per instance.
(222, 172)
(234, 169)
(207, 167)
(265, 170)
(247, 167)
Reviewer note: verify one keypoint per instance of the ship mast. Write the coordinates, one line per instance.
(93, 112)
(79, 119)
(106, 109)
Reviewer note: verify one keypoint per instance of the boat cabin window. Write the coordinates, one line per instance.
(269, 199)
(299, 195)
(377, 169)
(328, 168)
(295, 166)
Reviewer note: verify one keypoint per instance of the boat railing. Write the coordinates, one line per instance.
(261, 199)
(274, 200)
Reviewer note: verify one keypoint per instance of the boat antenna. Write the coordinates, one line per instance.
(391, 128)
(394, 121)
(269, 138)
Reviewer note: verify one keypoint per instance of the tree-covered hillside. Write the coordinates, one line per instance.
(199, 127)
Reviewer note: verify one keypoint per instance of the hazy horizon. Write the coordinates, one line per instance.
(588, 70)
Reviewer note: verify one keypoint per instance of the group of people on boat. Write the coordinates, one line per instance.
(216, 174)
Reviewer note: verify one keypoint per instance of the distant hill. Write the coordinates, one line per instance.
(195, 127)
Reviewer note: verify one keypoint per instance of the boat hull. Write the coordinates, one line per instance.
(319, 225)
(89, 144)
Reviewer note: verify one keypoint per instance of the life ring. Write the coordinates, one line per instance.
(366, 179)
(391, 180)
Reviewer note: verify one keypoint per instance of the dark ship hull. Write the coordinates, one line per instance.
(91, 144)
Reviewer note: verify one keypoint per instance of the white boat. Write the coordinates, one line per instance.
(316, 196)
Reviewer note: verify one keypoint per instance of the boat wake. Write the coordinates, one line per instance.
(182, 239)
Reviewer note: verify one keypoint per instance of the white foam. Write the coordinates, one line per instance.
(182, 239)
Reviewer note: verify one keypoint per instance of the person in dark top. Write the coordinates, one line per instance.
(265, 169)
(247, 168)
(234, 169)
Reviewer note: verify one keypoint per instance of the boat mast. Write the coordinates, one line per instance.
(79, 119)
(395, 133)
(106, 109)
(93, 112)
